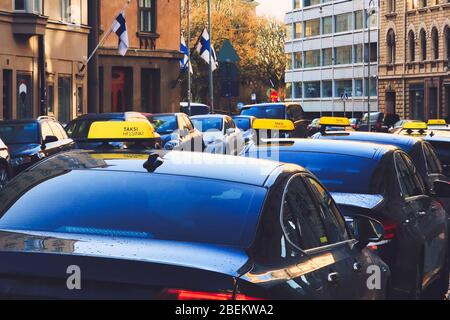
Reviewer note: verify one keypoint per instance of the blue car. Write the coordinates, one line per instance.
(383, 182)
(5, 165)
(173, 226)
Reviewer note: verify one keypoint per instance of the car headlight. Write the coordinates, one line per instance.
(171, 145)
(18, 161)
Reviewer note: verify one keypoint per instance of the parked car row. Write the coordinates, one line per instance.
(288, 218)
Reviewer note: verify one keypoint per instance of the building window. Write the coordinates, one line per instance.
(288, 61)
(342, 87)
(50, 98)
(344, 22)
(298, 30)
(33, 6)
(391, 46)
(435, 42)
(288, 90)
(359, 53)
(360, 17)
(19, 5)
(327, 89)
(312, 59)
(327, 25)
(359, 87)
(147, 9)
(344, 55)
(391, 6)
(327, 57)
(298, 90)
(312, 89)
(298, 60)
(66, 13)
(412, 46)
(423, 45)
(447, 42)
(312, 28)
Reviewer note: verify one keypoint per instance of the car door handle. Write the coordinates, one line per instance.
(333, 278)
(357, 267)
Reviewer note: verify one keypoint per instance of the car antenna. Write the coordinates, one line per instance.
(154, 162)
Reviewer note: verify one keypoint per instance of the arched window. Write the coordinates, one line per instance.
(391, 46)
(412, 46)
(423, 45)
(447, 42)
(435, 42)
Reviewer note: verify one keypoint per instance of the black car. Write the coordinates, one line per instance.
(177, 132)
(168, 226)
(5, 165)
(79, 128)
(382, 181)
(376, 123)
(30, 141)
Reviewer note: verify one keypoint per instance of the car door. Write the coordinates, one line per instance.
(195, 138)
(309, 229)
(427, 216)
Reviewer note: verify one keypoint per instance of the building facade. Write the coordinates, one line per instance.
(42, 48)
(328, 52)
(146, 78)
(414, 73)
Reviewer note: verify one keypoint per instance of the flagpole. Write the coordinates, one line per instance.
(211, 80)
(189, 55)
(83, 68)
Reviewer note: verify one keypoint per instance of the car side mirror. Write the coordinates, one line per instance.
(366, 230)
(50, 139)
(442, 189)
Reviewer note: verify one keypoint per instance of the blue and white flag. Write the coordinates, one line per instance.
(184, 63)
(204, 49)
(120, 28)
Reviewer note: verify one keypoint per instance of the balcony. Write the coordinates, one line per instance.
(28, 24)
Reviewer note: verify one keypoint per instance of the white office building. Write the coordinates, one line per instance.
(327, 50)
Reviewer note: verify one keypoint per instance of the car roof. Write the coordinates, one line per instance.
(193, 104)
(206, 116)
(23, 121)
(282, 104)
(190, 164)
(348, 148)
(403, 142)
(110, 115)
(166, 114)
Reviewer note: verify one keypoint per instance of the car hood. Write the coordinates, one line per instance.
(16, 150)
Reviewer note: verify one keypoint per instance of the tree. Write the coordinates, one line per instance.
(258, 41)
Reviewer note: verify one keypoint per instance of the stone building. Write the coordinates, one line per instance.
(146, 78)
(414, 68)
(42, 47)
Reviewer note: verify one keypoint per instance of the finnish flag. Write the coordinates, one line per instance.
(184, 63)
(120, 28)
(204, 49)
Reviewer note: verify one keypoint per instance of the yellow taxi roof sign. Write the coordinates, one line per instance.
(437, 122)
(120, 131)
(269, 124)
(415, 126)
(335, 121)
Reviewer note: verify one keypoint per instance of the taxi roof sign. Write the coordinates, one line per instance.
(415, 126)
(269, 124)
(437, 122)
(334, 121)
(121, 131)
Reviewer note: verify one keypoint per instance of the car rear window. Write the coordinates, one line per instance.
(141, 205)
(266, 112)
(339, 173)
(19, 133)
(243, 123)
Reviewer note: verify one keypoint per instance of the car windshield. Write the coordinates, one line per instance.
(266, 112)
(243, 123)
(133, 205)
(208, 124)
(164, 124)
(195, 110)
(20, 133)
(374, 117)
(79, 129)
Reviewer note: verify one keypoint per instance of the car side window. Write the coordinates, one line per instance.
(407, 180)
(301, 220)
(431, 159)
(189, 124)
(56, 132)
(46, 130)
(419, 184)
(332, 217)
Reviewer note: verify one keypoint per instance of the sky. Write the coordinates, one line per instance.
(274, 8)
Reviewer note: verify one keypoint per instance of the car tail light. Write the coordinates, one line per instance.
(390, 229)
(188, 295)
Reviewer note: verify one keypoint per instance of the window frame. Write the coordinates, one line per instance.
(153, 13)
